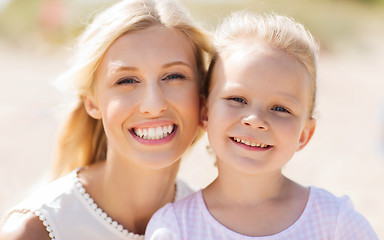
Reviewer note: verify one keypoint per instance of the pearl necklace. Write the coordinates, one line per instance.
(93, 206)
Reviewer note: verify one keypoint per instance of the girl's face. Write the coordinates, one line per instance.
(147, 96)
(257, 112)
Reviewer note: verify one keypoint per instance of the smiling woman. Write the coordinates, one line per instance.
(147, 93)
(137, 74)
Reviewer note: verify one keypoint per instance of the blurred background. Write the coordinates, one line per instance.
(345, 156)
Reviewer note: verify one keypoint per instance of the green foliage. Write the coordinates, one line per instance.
(18, 17)
(333, 22)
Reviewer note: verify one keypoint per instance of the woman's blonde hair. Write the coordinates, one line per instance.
(82, 140)
(245, 30)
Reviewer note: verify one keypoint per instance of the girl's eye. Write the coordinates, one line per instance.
(174, 76)
(280, 109)
(126, 81)
(237, 99)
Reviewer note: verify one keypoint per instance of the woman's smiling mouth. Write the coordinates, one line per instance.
(154, 135)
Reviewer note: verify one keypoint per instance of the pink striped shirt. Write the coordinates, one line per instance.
(324, 217)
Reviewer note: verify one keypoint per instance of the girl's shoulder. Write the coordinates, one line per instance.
(322, 195)
(169, 222)
(331, 203)
(339, 213)
(182, 189)
(324, 202)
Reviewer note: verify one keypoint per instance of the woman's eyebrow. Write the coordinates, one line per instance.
(176, 63)
(120, 67)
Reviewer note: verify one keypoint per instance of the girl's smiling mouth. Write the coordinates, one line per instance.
(251, 145)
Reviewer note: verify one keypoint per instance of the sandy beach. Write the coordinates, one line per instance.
(346, 155)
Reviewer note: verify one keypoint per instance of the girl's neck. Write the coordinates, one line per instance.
(252, 204)
(239, 188)
(129, 193)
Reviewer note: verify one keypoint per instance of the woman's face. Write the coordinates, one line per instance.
(147, 95)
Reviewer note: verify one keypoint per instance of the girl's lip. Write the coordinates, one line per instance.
(164, 140)
(251, 148)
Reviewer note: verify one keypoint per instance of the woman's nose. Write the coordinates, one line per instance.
(153, 101)
(256, 121)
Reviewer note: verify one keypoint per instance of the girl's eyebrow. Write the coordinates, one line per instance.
(290, 98)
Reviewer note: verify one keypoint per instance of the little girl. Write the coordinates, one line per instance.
(258, 113)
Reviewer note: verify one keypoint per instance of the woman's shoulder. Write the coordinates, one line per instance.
(49, 192)
(23, 226)
(26, 221)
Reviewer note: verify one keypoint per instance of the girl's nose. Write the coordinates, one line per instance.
(256, 121)
(153, 102)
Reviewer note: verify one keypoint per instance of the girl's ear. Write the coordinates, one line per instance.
(307, 133)
(91, 107)
(203, 112)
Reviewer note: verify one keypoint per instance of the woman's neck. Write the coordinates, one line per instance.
(129, 193)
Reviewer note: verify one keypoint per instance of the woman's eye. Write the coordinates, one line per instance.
(280, 109)
(174, 76)
(126, 81)
(237, 99)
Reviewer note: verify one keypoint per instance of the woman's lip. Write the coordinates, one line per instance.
(165, 140)
(153, 124)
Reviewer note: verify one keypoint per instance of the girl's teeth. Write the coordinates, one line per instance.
(250, 143)
(154, 133)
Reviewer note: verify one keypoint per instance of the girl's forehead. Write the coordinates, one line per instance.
(260, 68)
(253, 61)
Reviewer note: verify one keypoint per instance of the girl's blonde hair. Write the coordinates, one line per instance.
(82, 140)
(244, 29)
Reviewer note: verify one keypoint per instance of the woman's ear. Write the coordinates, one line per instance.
(203, 112)
(91, 107)
(307, 133)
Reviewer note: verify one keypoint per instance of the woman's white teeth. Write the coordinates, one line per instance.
(248, 143)
(154, 133)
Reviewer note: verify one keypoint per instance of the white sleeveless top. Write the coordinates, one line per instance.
(69, 212)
